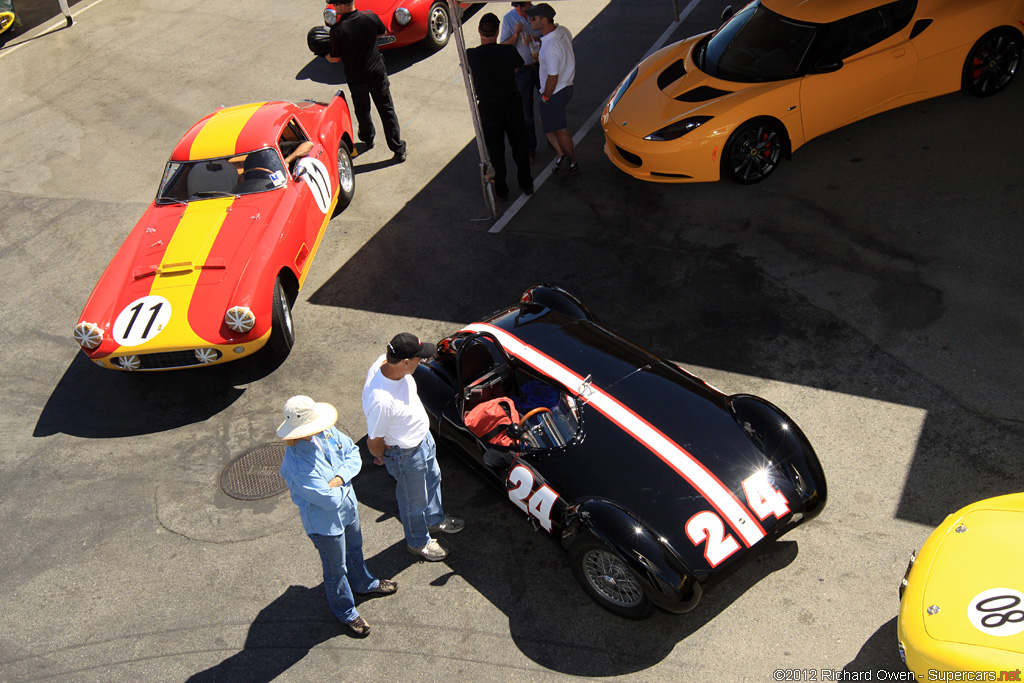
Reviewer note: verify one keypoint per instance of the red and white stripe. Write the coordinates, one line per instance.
(675, 456)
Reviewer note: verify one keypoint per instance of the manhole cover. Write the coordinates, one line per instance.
(256, 474)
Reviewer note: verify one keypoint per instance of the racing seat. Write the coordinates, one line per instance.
(211, 176)
(482, 377)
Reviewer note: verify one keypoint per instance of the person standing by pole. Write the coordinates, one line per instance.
(318, 466)
(354, 44)
(501, 113)
(515, 30)
(557, 71)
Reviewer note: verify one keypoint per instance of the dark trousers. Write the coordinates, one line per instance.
(500, 120)
(380, 90)
(528, 86)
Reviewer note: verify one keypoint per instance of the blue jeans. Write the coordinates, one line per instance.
(344, 568)
(418, 489)
(527, 85)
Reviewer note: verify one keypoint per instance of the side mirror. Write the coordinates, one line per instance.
(299, 172)
(826, 66)
(727, 13)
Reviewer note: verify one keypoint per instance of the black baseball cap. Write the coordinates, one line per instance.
(489, 22)
(541, 9)
(407, 345)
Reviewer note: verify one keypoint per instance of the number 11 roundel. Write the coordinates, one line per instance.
(319, 182)
(141, 320)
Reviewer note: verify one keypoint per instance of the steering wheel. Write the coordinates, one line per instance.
(257, 169)
(533, 412)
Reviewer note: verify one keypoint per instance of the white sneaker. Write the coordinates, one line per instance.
(432, 551)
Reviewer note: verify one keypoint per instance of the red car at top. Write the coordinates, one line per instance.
(407, 21)
(210, 272)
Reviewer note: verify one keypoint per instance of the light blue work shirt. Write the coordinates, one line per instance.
(308, 466)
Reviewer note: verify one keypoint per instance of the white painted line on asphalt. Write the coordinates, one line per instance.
(57, 24)
(521, 200)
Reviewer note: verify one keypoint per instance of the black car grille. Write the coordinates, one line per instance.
(169, 359)
(629, 157)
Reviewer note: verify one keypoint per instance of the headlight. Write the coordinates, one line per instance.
(677, 129)
(330, 16)
(240, 319)
(403, 16)
(88, 335)
(623, 87)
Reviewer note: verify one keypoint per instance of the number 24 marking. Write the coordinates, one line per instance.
(537, 503)
(707, 527)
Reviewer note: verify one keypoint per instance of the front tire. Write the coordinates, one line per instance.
(607, 579)
(753, 151)
(346, 178)
(282, 333)
(992, 62)
(439, 26)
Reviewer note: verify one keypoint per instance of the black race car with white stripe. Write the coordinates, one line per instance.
(653, 480)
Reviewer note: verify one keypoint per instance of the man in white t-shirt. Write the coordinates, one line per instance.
(398, 436)
(515, 30)
(557, 71)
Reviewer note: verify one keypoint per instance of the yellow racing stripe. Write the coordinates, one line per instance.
(180, 268)
(218, 137)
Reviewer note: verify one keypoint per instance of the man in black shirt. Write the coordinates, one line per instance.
(354, 44)
(493, 66)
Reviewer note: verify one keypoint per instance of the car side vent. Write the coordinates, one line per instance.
(672, 74)
(919, 28)
(702, 94)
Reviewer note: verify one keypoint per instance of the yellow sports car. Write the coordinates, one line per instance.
(778, 73)
(962, 599)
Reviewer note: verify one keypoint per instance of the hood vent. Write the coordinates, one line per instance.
(702, 94)
(672, 74)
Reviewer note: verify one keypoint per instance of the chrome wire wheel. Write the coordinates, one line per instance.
(992, 62)
(609, 576)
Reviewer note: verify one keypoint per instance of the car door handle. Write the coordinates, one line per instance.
(900, 52)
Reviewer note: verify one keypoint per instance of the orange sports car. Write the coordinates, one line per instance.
(778, 73)
(212, 268)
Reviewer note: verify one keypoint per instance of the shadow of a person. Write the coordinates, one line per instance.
(281, 635)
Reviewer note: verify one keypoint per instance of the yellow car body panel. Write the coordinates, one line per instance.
(962, 609)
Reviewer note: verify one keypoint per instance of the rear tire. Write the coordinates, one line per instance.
(282, 333)
(992, 62)
(346, 178)
(607, 579)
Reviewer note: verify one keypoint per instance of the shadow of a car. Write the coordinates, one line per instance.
(526, 574)
(91, 402)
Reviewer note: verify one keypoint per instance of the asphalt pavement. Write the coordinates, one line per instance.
(870, 288)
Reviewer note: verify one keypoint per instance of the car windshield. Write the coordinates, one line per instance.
(257, 171)
(756, 45)
(554, 428)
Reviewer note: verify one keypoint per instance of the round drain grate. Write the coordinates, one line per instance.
(256, 474)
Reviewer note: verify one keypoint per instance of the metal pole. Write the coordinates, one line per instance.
(67, 12)
(486, 170)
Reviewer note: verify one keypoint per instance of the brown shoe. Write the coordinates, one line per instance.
(385, 587)
(358, 627)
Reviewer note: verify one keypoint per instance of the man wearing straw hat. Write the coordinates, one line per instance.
(319, 464)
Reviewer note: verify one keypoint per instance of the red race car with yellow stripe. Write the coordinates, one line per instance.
(210, 272)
